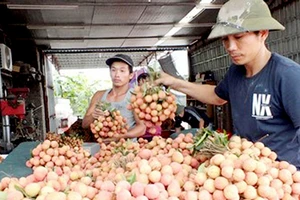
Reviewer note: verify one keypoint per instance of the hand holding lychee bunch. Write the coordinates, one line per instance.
(153, 104)
(110, 124)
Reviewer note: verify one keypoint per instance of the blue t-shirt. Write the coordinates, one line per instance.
(267, 104)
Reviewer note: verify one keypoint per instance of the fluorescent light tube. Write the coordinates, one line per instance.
(205, 1)
(41, 27)
(41, 7)
(191, 15)
(197, 10)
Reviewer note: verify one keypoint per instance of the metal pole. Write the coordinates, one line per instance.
(6, 143)
(3, 118)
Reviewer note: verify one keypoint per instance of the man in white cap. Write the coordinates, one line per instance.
(121, 72)
(261, 86)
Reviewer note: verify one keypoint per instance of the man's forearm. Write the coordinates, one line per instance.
(203, 93)
(87, 120)
(137, 131)
(201, 123)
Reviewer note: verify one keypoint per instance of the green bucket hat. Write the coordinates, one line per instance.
(237, 16)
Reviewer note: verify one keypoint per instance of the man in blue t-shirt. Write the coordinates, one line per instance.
(261, 86)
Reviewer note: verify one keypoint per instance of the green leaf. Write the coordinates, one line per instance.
(67, 189)
(132, 179)
(22, 191)
(150, 69)
(201, 168)
(201, 140)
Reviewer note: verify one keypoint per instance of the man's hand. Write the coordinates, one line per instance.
(98, 112)
(165, 79)
(109, 140)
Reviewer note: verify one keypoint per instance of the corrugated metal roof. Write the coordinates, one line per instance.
(107, 27)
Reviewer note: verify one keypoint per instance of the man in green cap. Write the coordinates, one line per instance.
(261, 86)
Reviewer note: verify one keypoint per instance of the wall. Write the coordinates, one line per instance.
(287, 42)
(212, 56)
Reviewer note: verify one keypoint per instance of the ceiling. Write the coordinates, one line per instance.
(84, 33)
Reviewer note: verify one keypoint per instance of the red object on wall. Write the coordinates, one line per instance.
(16, 110)
(19, 92)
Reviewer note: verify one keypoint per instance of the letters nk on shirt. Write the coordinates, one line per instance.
(261, 106)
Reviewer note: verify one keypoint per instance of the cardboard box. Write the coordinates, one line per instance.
(16, 68)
